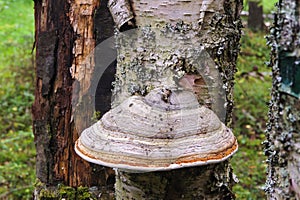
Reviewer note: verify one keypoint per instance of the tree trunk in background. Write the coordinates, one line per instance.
(255, 18)
(283, 139)
(64, 37)
(168, 30)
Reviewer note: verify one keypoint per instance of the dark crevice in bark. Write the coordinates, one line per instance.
(104, 89)
(104, 28)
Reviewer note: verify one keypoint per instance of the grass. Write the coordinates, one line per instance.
(17, 163)
(17, 153)
(252, 90)
(253, 82)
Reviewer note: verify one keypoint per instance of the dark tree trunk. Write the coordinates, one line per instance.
(64, 37)
(255, 18)
(283, 140)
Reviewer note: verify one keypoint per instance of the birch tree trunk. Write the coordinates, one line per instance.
(283, 140)
(64, 37)
(160, 53)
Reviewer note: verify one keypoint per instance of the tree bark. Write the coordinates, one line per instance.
(283, 142)
(255, 18)
(160, 54)
(64, 37)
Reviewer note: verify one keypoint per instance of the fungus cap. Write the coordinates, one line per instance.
(162, 131)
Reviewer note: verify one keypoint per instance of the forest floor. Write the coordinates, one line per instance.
(252, 94)
(17, 153)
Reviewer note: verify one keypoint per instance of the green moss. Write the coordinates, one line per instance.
(84, 194)
(47, 195)
(64, 192)
(96, 115)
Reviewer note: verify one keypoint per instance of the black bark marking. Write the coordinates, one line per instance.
(46, 62)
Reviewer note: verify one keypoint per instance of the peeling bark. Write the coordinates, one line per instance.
(64, 37)
(121, 12)
(161, 53)
(283, 141)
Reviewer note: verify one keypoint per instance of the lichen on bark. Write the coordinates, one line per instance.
(159, 54)
(166, 45)
(283, 141)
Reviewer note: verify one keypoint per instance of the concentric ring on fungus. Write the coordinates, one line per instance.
(156, 133)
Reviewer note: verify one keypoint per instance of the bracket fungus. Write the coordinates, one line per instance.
(166, 129)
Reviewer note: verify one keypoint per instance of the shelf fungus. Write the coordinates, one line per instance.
(166, 129)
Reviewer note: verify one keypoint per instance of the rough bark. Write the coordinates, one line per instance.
(160, 54)
(206, 182)
(283, 142)
(64, 37)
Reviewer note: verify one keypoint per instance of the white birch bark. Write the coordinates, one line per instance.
(160, 54)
